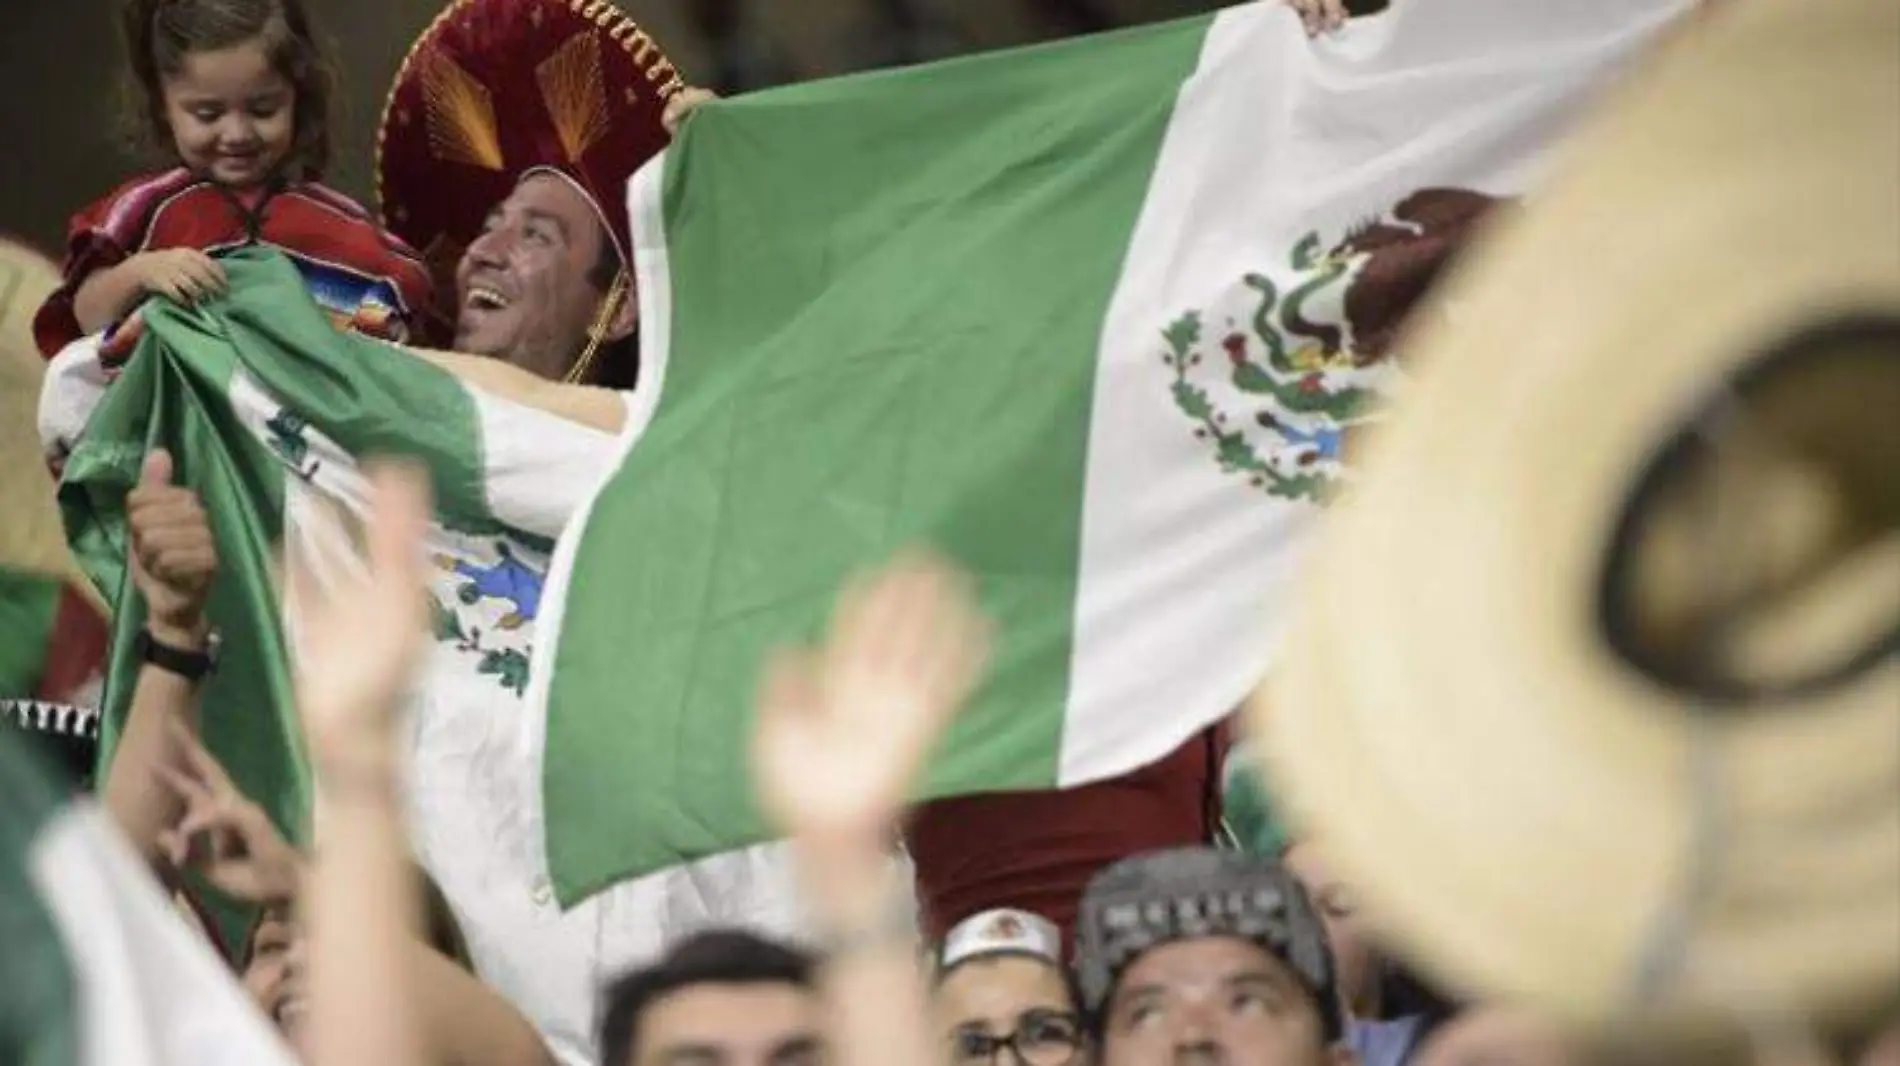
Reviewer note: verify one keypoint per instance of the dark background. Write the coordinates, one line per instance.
(60, 64)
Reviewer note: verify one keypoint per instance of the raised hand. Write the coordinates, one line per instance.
(223, 835)
(1320, 16)
(843, 729)
(681, 107)
(173, 558)
(185, 275)
(360, 636)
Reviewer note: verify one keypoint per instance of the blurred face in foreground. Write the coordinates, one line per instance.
(1346, 934)
(1215, 1001)
(1014, 998)
(731, 1025)
(274, 972)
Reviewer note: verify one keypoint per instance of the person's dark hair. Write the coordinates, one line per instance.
(440, 928)
(728, 957)
(617, 364)
(159, 34)
(606, 264)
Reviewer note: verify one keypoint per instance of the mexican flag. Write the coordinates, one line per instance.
(1097, 320)
(266, 410)
(99, 969)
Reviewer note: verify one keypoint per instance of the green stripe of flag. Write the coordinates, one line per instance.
(903, 351)
(1094, 319)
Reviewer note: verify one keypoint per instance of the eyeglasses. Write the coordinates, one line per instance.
(1041, 1038)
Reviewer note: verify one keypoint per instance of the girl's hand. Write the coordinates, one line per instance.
(184, 275)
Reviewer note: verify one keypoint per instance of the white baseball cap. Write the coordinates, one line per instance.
(1003, 931)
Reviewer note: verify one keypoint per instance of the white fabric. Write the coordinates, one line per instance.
(151, 993)
(75, 382)
(1274, 137)
(474, 768)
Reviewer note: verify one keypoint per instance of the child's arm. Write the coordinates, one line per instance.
(591, 406)
(183, 274)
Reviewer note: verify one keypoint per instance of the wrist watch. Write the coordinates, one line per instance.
(190, 665)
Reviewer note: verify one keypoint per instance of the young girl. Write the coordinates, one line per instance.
(237, 92)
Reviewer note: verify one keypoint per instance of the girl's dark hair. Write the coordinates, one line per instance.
(159, 34)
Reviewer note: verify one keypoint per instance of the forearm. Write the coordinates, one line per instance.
(134, 792)
(106, 296)
(361, 908)
(874, 985)
(597, 408)
(465, 1022)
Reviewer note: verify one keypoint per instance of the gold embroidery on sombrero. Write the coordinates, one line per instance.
(461, 114)
(575, 92)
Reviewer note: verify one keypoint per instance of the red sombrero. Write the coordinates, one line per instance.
(496, 89)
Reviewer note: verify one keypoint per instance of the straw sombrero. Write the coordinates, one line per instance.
(57, 657)
(1596, 693)
(31, 539)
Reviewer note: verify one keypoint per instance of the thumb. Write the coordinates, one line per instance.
(157, 469)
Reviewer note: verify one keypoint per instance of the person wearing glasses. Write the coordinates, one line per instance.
(1003, 996)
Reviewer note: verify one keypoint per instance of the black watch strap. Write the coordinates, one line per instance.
(190, 665)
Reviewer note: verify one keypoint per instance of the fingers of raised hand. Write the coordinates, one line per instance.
(156, 469)
(911, 634)
(1319, 16)
(198, 797)
(790, 702)
(400, 510)
(172, 538)
(682, 105)
(361, 634)
(204, 767)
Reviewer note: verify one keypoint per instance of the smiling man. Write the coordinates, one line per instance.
(505, 150)
(504, 153)
(544, 287)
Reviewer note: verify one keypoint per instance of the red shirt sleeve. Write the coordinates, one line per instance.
(101, 235)
(88, 249)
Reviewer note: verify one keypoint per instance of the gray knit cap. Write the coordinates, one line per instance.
(1157, 898)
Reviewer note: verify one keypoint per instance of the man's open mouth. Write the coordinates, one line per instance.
(482, 298)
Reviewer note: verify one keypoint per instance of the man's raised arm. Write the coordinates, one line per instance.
(589, 405)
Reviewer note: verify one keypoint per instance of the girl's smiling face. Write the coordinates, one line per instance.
(232, 115)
